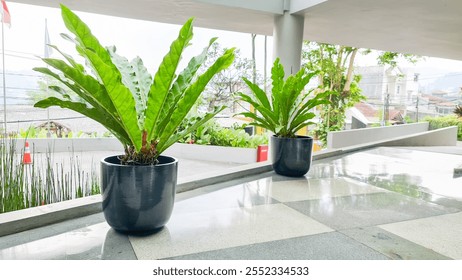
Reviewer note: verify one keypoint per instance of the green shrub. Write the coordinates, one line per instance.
(446, 121)
(211, 133)
(231, 137)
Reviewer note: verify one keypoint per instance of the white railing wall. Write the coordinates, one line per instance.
(353, 137)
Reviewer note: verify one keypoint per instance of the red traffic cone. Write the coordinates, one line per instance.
(27, 159)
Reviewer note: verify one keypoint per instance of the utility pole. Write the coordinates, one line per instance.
(4, 79)
(254, 63)
(386, 105)
(416, 80)
(265, 63)
(387, 109)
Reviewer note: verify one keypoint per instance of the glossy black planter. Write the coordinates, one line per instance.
(138, 199)
(291, 156)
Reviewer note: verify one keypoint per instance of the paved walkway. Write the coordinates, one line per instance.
(90, 162)
(384, 203)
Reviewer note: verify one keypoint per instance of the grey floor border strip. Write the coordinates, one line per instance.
(391, 245)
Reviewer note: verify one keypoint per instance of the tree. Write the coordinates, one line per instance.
(335, 65)
(221, 89)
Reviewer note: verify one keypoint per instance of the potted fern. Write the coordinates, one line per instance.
(286, 112)
(143, 112)
(458, 111)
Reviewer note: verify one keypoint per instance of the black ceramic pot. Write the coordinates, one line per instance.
(138, 199)
(291, 156)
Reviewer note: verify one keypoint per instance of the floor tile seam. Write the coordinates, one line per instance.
(210, 188)
(321, 223)
(390, 233)
(133, 248)
(386, 191)
(251, 244)
(426, 238)
(337, 196)
(398, 222)
(314, 218)
(448, 199)
(29, 236)
(231, 247)
(276, 202)
(346, 235)
(421, 218)
(427, 192)
(396, 236)
(351, 238)
(412, 242)
(436, 203)
(433, 149)
(421, 189)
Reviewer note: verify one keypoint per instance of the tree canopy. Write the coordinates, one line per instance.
(336, 76)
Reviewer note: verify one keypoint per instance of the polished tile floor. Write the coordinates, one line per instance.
(384, 203)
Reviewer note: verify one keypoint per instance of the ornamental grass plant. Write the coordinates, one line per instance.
(42, 182)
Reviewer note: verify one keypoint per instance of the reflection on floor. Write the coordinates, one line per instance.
(384, 203)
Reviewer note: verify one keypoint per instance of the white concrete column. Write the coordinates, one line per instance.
(288, 40)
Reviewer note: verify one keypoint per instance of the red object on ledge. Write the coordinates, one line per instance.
(262, 153)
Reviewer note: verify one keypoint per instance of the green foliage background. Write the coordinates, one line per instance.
(446, 121)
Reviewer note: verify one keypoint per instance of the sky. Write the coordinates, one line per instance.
(24, 40)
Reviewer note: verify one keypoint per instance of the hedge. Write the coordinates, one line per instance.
(446, 121)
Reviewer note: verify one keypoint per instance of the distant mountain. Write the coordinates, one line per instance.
(450, 83)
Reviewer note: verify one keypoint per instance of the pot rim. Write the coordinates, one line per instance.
(104, 161)
(296, 137)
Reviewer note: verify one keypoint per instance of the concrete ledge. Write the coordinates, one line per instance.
(345, 138)
(21, 220)
(327, 154)
(212, 153)
(440, 137)
(194, 182)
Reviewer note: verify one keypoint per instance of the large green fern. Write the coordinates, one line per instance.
(289, 107)
(141, 110)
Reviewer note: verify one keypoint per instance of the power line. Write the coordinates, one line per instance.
(19, 88)
(23, 57)
(20, 74)
(28, 53)
(19, 98)
(44, 120)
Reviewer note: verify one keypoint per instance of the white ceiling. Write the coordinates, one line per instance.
(424, 27)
